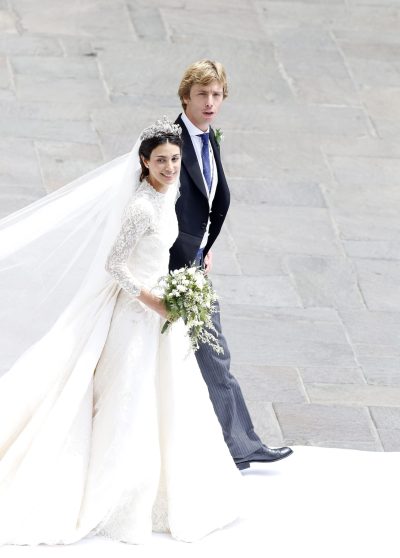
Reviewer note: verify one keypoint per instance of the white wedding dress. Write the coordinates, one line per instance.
(139, 448)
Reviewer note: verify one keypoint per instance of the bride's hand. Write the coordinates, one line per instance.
(154, 302)
(159, 307)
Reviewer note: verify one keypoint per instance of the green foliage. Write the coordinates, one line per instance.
(219, 136)
(188, 294)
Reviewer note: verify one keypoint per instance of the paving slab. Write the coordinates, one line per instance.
(372, 328)
(354, 395)
(365, 226)
(390, 439)
(260, 264)
(383, 370)
(226, 260)
(5, 76)
(265, 422)
(383, 106)
(392, 3)
(294, 14)
(332, 375)
(61, 162)
(270, 291)
(13, 198)
(36, 88)
(380, 283)
(95, 19)
(376, 249)
(386, 418)
(44, 111)
(277, 192)
(325, 281)
(284, 342)
(192, 21)
(365, 146)
(387, 421)
(271, 383)
(38, 128)
(294, 315)
(304, 54)
(278, 161)
(292, 121)
(52, 67)
(328, 426)
(356, 50)
(23, 45)
(287, 230)
(370, 72)
(19, 164)
(368, 36)
(364, 184)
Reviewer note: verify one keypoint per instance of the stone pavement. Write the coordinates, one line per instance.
(308, 264)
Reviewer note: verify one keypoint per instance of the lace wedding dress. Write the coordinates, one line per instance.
(140, 448)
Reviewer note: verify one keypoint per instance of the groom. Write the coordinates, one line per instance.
(201, 210)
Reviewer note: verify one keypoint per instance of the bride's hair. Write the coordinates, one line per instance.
(149, 144)
(202, 72)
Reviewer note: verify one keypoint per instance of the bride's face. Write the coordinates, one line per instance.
(164, 165)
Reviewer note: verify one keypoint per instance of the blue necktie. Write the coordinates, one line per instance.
(205, 157)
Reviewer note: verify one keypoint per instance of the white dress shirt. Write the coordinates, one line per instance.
(194, 133)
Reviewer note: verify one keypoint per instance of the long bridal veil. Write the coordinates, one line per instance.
(56, 302)
(53, 249)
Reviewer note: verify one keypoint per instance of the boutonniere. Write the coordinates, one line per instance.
(219, 136)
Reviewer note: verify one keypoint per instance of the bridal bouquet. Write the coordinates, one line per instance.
(188, 294)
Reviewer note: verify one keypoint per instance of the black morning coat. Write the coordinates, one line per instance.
(192, 207)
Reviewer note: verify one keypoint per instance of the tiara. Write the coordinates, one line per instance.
(161, 127)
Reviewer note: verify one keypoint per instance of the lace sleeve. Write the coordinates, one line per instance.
(135, 223)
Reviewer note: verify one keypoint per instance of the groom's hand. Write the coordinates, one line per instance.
(208, 262)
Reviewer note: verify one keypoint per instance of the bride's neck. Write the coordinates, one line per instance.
(161, 188)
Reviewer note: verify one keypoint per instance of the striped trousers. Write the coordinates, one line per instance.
(227, 397)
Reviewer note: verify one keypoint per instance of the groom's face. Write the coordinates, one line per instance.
(203, 104)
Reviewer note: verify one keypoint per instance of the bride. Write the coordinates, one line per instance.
(105, 424)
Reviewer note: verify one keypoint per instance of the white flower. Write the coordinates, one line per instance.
(194, 323)
(195, 295)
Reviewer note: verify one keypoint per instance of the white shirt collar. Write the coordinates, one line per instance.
(191, 128)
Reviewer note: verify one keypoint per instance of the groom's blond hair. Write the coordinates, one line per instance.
(202, 72)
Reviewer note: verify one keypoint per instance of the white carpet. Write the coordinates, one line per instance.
(319, 503)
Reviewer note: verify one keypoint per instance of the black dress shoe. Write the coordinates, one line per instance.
(263, 455)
